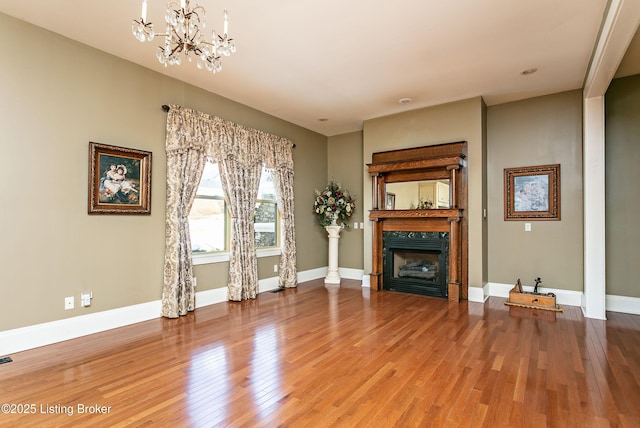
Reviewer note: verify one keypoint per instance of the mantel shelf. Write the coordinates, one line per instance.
(376, 215)
(422, 164)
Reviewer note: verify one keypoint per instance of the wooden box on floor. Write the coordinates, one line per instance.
(525, 299)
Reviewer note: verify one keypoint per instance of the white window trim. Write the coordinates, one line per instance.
(224, 256)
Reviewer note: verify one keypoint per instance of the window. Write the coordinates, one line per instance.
(209, 217)
(266, 218)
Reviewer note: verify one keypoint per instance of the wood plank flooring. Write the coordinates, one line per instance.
(344, 357)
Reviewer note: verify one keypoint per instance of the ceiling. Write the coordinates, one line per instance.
(346, 62)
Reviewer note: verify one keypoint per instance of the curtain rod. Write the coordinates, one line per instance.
(166, 108)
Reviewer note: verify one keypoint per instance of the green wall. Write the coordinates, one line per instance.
(537, 131)
(345, 167)
(622, 160)
(53, 105)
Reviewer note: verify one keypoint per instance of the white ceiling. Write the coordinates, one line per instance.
(349, 61)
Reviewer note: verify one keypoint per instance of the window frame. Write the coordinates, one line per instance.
(201, 258)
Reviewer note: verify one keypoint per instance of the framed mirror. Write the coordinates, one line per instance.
(412, 195)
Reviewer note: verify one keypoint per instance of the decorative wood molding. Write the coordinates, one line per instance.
(430, 213)
(446, 163)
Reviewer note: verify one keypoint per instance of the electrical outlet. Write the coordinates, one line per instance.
(85, 299)
(527, 227)
(275, 268)
(361, 225)
(195, 282)
(68, 303)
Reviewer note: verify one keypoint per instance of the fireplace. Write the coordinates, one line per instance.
(437, 266)
(416, 262)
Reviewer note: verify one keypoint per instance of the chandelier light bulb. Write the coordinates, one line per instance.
(143, 14)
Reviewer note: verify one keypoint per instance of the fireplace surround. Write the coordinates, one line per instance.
(436, 163)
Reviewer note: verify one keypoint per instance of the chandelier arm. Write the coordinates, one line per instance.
(141, 22)
(191, 40)
(177, 48)
(193, 12)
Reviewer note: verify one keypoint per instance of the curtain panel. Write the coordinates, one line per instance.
(192, 137)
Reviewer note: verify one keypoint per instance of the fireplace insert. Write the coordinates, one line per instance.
(416, 264)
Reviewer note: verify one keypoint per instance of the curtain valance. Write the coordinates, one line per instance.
(219, 138)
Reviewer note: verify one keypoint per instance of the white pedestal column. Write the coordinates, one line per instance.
(333, 276)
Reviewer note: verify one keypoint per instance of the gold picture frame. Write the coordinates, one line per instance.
(532, 193)
(119, 180)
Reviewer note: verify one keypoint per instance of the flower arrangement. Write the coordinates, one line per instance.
(333, 204)
(425, 205)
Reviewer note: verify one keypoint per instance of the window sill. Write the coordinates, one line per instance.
(208, 258)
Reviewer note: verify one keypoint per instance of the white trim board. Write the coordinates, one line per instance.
(478, 294)
(21, 339)
(34, 336)
(349, 273)
(624, 304)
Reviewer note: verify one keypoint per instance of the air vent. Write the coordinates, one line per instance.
(5, 360)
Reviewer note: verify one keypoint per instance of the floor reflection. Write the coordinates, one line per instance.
(265, 370)
(208, 381)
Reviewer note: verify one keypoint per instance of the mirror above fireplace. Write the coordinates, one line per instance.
(416, 195)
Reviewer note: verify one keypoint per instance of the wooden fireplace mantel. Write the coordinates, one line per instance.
(443, 161)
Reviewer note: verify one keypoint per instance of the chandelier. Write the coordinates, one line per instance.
(184, 36)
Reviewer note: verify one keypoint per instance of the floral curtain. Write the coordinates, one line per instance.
(240, 152)
(240, 167)
(185, 163)
(282, 162)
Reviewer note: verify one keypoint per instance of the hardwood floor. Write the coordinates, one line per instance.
(316, 356)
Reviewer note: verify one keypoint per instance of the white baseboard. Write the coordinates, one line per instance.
(267, 284)
(346, 273)
(310, 275)
(624, 304)
(478, 294)
(21, 339)
(349, 273)
(210, 297)
(366, 281)
(563, 297)
(34, 336)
